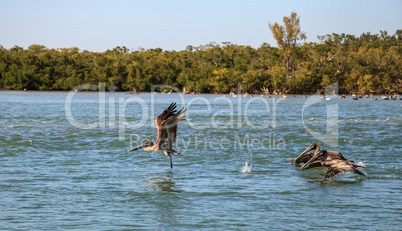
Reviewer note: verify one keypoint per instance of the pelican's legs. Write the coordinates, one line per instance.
(170, 158)
(167, 152)
(170, 161)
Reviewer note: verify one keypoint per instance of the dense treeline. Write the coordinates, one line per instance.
(369, 63)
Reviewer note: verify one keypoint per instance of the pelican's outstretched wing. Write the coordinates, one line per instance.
(341, 167)
(167, 126)
(162, 135)
(332, 155)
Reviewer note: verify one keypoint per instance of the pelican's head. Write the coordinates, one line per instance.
(311, 147)
(144, 145)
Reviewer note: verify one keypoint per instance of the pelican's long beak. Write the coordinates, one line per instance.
(138, 147)
(311, 160)
(304, 152)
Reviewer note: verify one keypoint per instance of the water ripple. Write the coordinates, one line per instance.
(57, 176)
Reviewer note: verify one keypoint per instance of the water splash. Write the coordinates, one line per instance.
(361, 164)
(247, 164)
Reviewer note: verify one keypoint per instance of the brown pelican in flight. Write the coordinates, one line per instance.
(334, 160)
(166, 124)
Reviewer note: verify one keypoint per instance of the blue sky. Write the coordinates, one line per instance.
(172, 24)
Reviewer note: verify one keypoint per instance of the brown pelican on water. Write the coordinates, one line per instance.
(334, 160)
(166, 124)
(306, 156)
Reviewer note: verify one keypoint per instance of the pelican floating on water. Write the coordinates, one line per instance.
(305, 156)
(334, 160)
(166, 124)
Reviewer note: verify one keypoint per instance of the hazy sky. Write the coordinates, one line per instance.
(99, 25)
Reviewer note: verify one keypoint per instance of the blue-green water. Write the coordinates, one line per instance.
(233, 171)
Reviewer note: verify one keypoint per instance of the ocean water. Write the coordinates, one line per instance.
(64, 163)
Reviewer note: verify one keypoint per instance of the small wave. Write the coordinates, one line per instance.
(393, 177)
(389, 167)
(360, 120)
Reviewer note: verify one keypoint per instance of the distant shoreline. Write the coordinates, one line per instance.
(362, 65)
(205, 93)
